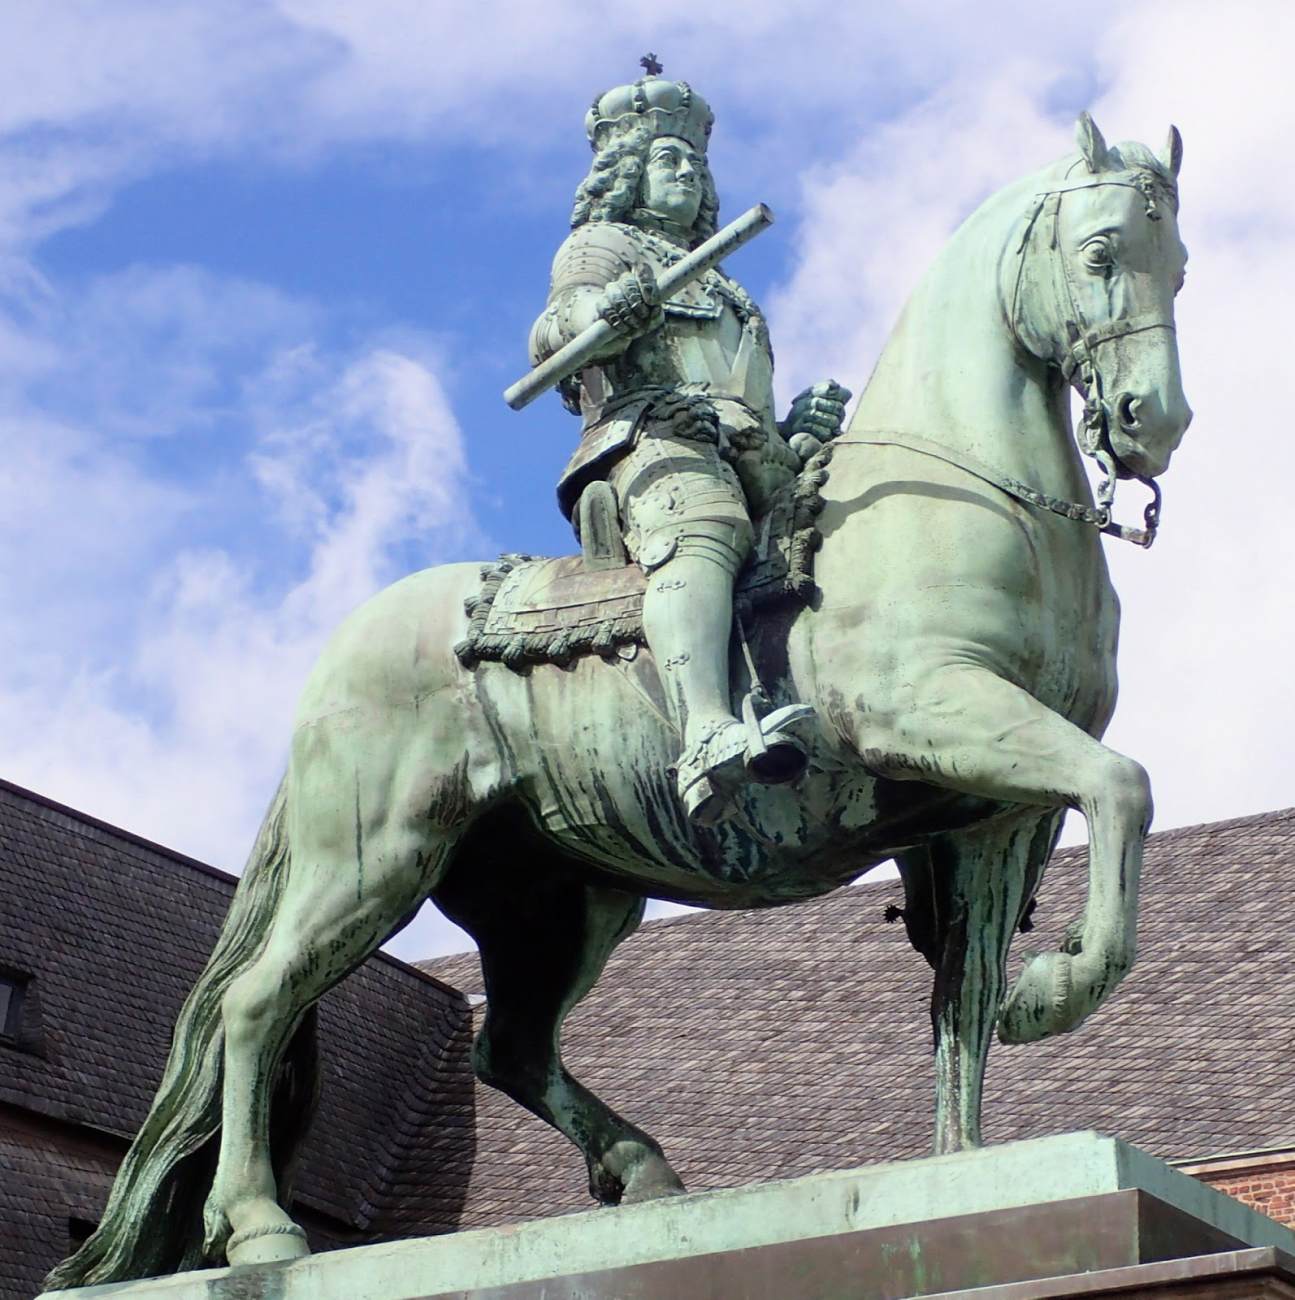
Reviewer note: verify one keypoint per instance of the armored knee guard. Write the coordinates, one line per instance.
(723, 542)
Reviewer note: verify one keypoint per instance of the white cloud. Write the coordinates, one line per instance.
(152, 677)
(123, 90)
(169, 616)
(870, 222)
(1207, 703)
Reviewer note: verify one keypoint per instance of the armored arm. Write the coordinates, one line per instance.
(596, 275)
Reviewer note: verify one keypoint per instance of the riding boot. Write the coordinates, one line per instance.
(687, 618)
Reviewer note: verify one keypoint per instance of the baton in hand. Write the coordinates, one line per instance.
(588, 343)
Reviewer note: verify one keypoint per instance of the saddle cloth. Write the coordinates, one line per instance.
(532, 610)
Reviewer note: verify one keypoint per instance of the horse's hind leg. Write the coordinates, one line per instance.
(356, 870)
(544, 941)
(965, 893)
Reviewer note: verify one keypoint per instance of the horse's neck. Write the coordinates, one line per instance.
(953, 374)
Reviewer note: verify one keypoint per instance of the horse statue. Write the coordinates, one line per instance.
(959, 656)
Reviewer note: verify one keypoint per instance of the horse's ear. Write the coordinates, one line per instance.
(1172, 154)
(1091, 144)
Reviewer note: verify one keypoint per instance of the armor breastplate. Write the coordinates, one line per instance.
(719, 356)
(714, 341)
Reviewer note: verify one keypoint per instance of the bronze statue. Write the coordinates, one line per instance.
(499, 741)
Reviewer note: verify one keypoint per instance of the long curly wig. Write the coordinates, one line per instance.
(612, 189)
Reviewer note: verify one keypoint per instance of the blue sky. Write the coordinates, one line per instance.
(266, 267)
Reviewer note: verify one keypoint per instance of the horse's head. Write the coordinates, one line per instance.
(1091, 289)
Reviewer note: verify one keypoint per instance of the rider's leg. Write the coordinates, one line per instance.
(688, 622)
(685, 521)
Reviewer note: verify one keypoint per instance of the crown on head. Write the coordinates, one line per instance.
(665, 107)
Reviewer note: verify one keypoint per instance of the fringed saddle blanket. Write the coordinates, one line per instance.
(532, 610)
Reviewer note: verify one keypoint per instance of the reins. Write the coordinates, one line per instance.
(1098, 516)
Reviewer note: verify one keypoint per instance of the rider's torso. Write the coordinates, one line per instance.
(720, 356)
(714, 339)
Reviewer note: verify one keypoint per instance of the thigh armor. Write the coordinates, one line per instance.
(677, 496)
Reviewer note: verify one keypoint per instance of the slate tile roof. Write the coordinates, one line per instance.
(113, 930)
(764, 1045)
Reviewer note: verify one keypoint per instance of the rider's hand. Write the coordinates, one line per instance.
(805, 445)
(631, 304)
(816, 414)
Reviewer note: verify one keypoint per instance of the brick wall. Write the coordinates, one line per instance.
(55, 1177)
(1265, 1181)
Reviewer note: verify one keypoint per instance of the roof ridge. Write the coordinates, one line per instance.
(1226, 823)
(87, 821)
(83, 822)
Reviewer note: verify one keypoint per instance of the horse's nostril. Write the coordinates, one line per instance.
(1126, 410)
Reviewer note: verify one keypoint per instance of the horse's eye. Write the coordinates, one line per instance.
(1098, 255)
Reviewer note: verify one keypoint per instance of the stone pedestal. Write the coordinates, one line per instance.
(1060, 1216)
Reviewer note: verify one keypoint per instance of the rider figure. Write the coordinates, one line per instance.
(677, 414)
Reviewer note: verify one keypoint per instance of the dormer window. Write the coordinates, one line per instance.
(12, 988)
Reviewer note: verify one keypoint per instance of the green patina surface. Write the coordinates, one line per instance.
(941, 701)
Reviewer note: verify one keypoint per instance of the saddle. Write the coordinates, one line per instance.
(535, 610)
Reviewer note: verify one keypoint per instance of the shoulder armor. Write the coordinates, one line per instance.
(595, 253)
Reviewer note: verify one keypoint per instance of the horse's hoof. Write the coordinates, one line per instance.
(273, 1243)
(1039, 1005)
(651, 1179)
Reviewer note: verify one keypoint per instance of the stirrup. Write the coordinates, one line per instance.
(775, 754)
(765, 750)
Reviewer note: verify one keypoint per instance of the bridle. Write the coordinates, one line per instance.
(1085, 338)
(1094, 432)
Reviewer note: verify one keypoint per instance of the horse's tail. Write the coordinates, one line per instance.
(153, 1221)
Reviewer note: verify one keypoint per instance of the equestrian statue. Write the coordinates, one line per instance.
(786, 653)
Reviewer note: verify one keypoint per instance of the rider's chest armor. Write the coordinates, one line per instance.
(714, 341)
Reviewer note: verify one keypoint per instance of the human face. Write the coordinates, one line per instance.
(673, 180)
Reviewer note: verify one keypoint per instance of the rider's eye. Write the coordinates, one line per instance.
(1098, 255)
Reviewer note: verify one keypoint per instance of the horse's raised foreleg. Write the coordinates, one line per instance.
(965, 893)
(359, 864)
(963, 728)
(543, 943)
